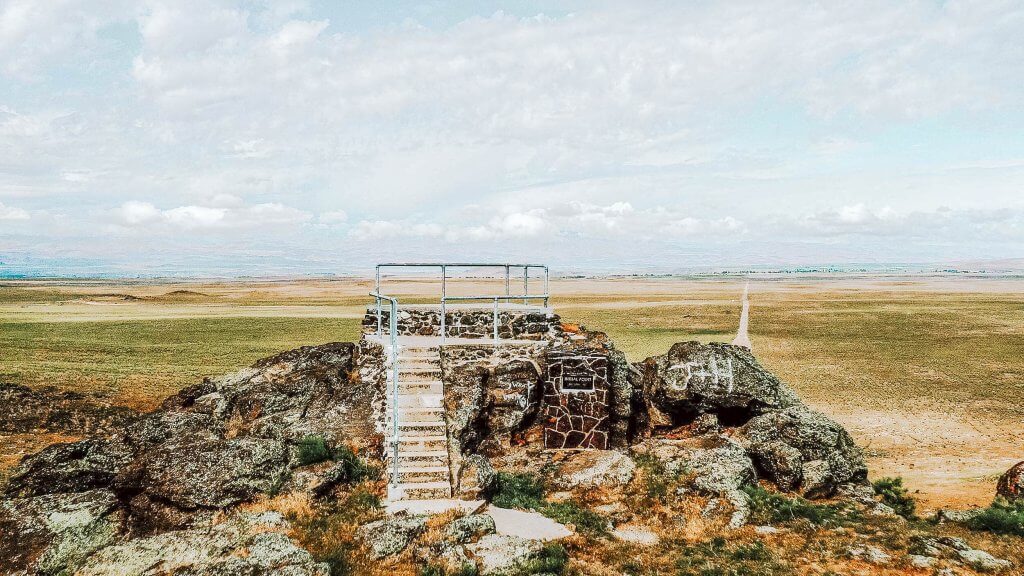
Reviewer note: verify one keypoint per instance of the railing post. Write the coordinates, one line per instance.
(495, 320)
(376, 290)
(393, 325)
(444, 296)
(506, 280)
(547, 290)
(526, 283)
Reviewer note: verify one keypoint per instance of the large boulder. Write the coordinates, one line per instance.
(68, 468)
(1011, 484)
(54, 533)
(800, 447)
(693, 379)
(245, 544)
(211, 446)
(390, 536)
(201, 472)
(24, 409)
(503, 554)
(594, 469)
(718, 465)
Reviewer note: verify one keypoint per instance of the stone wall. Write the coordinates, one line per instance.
(466, 323)
(577, 401)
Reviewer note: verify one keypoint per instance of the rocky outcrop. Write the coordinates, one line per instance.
(208, 448)
(55, 533)
(24, 409)
(1011, 484)
(250, 544)
(694, 379)
(594, 469)
(800, 447)
(390, 536)
(718, 466)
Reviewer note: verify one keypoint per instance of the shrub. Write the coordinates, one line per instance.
(518, 490)
(767, 507)
(356, 469)
(1000, 518)
(552, 559)
(312, 449)
(895, 496)
(586, 521)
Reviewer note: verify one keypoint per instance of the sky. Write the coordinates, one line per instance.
(245, 138)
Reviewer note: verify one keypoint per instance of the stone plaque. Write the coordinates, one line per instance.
(577, 379)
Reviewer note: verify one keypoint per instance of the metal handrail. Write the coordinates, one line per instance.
(393, 329)
(526, 297)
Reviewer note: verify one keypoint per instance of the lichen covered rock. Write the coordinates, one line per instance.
(1011, 484)
(828, 456)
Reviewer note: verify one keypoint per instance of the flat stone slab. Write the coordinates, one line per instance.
(433, 506)
(529, 525)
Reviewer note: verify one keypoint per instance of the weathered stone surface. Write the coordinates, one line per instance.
(719, 466)
(65, 468)
(694, 378)
(1011, 484)
(983, 561)
(217, 443)
(390, 536)
(491, 396)
(593, 469)
(464, 323)
(54, 533)
(200, 472)
(829, 457)
(469, 528)
(24, 409)
(498, 554)
(249, 544)
(475, 476)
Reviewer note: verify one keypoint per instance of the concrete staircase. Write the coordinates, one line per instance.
(423, 467)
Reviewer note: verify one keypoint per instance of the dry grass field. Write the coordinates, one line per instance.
(926, 372)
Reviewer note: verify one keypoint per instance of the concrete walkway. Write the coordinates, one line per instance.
(530, 525)
(742, 337)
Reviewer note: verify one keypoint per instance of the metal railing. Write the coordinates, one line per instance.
(526, 297)
(395, 350)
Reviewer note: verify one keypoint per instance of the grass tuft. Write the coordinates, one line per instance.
(770, 508)
(895, 496)
(312, 449)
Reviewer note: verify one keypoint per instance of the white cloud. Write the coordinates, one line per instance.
(333, 217)
(144, 215)
(12, 213)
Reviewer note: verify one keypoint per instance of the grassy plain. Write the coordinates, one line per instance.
(926, 372)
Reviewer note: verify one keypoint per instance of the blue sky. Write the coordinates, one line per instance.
(246, 138)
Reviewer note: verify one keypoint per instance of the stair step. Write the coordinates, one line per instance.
(422, 400)
(415, 374)
(424, 490)
(424, 387)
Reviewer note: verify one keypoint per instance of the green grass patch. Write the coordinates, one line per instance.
(586, 521)
(771, 508)
(553, 559)
(1000, 518)
(526, 491)
(517, 490)
(719, 557)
